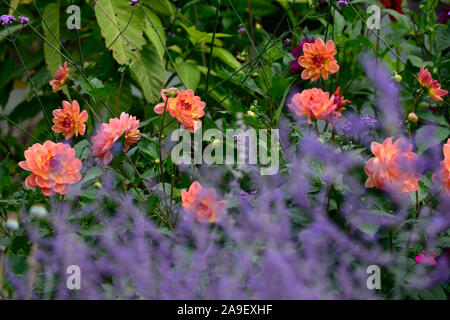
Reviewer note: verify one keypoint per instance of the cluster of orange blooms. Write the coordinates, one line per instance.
(54, 166)
(393, 166)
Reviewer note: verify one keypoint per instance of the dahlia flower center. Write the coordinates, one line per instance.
(68, 123)
(185, 105)
(53, 164)
(318, 60)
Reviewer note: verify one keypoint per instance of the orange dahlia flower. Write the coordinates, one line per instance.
(433, 86)
(393, 166)
(202, 202)
(186, 108)
(444, 176)
(313, 103)
(69, 120)
(110, 132)
(318, 60)
(53, 166)
(60, 77)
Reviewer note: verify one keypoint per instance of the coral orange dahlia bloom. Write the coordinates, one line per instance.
(186, 108)
(318, 60)
(433, 86)
(202, 202)
(393, 167)
(110, 132)
(53, 166)
(313, 103)
(60, 77)
(444, 175)
(69, 120)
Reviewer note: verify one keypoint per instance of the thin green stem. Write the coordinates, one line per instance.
(13, 40)
(160, 153)
(212, 46)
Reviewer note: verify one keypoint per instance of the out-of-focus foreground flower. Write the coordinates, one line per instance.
(425, 259)
(111, 132)
(313, 103)
(318, 60)
(186, 107)
(69, 120)
(443, 176)
(393, 167)
(54, 167)
(202, 202)
(432, 86)
(60, 77)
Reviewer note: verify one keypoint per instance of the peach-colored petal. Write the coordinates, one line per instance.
(393, 166)
(111, 132)
(69, 121)
(202, 202)
(53, 166)
(318, 60)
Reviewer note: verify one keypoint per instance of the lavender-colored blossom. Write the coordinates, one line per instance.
(7, 19)
(369, 121)
(241, 30)
(287, 41)
(133, 2)
(343, 3)
(24, 20)
(388, 93)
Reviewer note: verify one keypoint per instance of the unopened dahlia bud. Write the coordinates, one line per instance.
(254, 75)
(250, 113)
(97, 185)
(397, 78)
(413, 117)
(38, 211)
(172, 93)
(156, 161)
(258, 26)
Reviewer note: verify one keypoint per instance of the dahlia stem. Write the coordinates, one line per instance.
(160, 153)
(414, 105)
(417, 204)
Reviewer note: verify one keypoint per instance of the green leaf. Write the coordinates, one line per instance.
(429, 136)
(226, 57)
(152, 34)
(442, 39)
(113, 17)
(150, 74)
(415, 61)
(189, 73)
(4, 170)
(401, 18)
(198, 37)
(52, 58)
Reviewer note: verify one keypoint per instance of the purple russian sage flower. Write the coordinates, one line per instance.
(369, 121)
(343, 3)
(287, 41)
(388, 93)
(7, 19)
(133, 2)
(240, 30)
